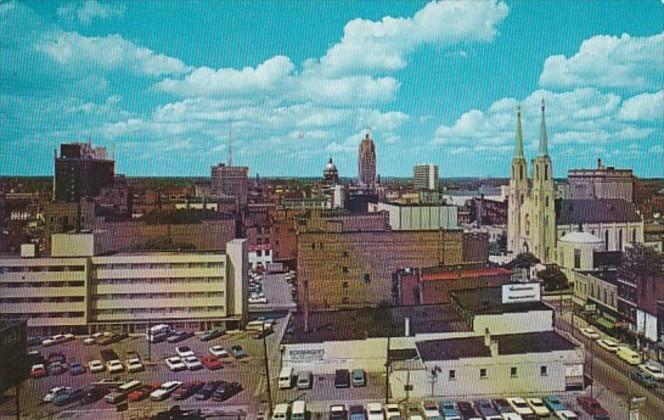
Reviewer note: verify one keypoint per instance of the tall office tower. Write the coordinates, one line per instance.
(81, 171)
(366, 174)
(426, 176)
(230, 181)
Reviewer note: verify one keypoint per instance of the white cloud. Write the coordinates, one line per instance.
(89, 10)
(582, 116)
(644, 107)
(609, 61)
(384, 45)
(110, 52)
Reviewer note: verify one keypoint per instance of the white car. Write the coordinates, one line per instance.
(392, 410)
(430, 409)
(114, 366)
(175, 364)
(192, 363)
(256, 299)
(608, 345)
(164, 390)
(375, 411)
(184, 351)
(653, 369)
(96, 366)
(55, 391)
(590, 333)
(69, 337)
(88, 341)
(538, 407)
(520, 406)
(134, 365)
(567, 415)
(218, 351)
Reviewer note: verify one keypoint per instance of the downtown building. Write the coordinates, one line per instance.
(81, 171)
(76, 290)
(230, 181)
(366, 171)
(425, 176)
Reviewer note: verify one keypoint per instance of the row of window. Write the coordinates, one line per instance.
(29, 315)
(67, 299)
(161, 266)
(158, 311)
(189, 295)
(484, 372)
(42, 269)
(33, 284)
(259, 253)
(179, 280)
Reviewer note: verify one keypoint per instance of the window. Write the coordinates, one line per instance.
(543, 371)
(344, 254)
(313, 245)
(452, 375)
(546, 173)
(620, 240)
(483, 373)
(577, 258)
(633, 235)
(344, 269)
(513, 372)
(606, 240)
(345, 285)
(367, 278)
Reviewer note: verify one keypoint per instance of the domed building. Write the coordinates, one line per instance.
(576, 249)
(330, 173)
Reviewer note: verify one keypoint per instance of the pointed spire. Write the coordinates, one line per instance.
(543, 142)
(518, 147)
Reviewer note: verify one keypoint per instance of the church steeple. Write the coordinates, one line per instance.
(543, 140)
(518, 146)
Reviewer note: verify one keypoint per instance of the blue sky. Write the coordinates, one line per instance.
(299, 81)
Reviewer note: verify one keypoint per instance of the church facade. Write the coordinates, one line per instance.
(531, 219)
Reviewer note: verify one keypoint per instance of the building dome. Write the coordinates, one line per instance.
(330, 172)
(581, 238)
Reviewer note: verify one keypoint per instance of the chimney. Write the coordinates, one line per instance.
(494, 348)
(487, 337)
(599, 163)
(406, 326)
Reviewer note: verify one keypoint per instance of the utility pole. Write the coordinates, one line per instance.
(387, 371)
(267, 374)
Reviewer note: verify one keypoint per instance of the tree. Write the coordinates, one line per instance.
(553, 279)
(640, 260)
(524, 260)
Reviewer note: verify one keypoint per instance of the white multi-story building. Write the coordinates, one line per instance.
(419, 216)
(425, 176)
(74, 290)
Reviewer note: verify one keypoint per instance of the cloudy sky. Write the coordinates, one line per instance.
(299, 81)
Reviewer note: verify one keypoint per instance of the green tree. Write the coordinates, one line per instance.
(524, 260)
(553, 279)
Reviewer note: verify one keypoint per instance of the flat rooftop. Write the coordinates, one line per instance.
(359, 324)
(508, 344)
(609, 276)
(436, 274)
(488, 301)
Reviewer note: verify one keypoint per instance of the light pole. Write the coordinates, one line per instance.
(267, 373)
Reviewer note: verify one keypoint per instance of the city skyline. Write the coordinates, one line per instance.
(167, 100)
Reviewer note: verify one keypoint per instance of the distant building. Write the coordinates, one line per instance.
(126, 291)
(330, 174)
(366, 173)
(425, 176)
(230, 181)
(419, 216)
(602, 182)
(81, 171)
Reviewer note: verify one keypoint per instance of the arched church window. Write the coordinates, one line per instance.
(521, 173)
(546, 172)
(546, 201)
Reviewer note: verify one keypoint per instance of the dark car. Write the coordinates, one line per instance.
(643, 378)
(111, 339)
(56, 368)
(109, 354)
(36, 358)
(57, 357)
(357, 412)
(34, 341)
(467, 410)
(238, 352)
(592, 407)
(342, 378)
(207, 390)
(69, 397)
(226, 390)
(211, 334)
(94, 393)
(179, 336)
(187, 390)
(76, 368)
(486, 409)
(502, 406)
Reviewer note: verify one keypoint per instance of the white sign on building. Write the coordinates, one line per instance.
(521, 292)
(646, 324)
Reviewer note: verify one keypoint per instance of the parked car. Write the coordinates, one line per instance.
(69, 397)
(226, 390)
(53, 392)
(206, 391)
(56, 357)
(356, 412)
(553, 403)
(643, 378)
(34, 341)
(238, 352)
(538, 407)
(487, 410)
(76, 368)
(179, 336)
(109, 354)
(93, 394)
(305, 380)
(211, 362)
(192, 363)
(218, 351)
(175, 364)
(142, 392)
(567, 415)
(38, 371)
(184, 351)
(590, 333)
(449, 410)
(89, 341)
(165, 390)
(392, 412)
(96, 366)
(359, 378)
(211, 334)
(187, 390)
(654, 369)
(135, 365)
(56, 368)
(115, 397)
(107, 340)
(338, 412)
(114, 366)
(467, 411)
(430, 410)
(520, 406)
(608, 345)
(342, 378)
(592, 407)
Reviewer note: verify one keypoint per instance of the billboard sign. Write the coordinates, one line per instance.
(521, 292)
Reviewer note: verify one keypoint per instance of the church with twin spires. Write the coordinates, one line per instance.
(531, 218)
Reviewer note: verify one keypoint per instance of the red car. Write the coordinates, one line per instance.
(38, 371)
(187, 390)
(592, 407)
(142, 392)
(211, 362)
